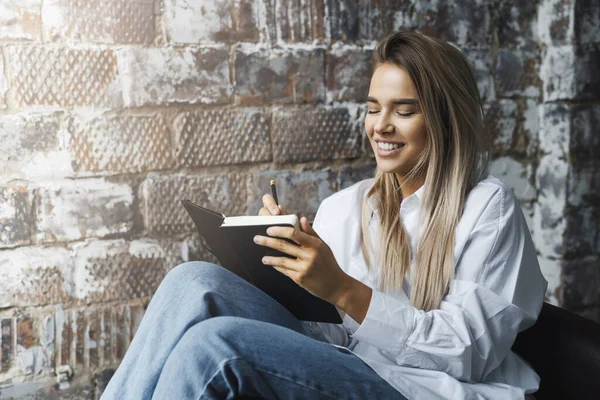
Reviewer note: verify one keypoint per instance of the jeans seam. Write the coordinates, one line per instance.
(219, 368)
(293, 381)
(258, 369)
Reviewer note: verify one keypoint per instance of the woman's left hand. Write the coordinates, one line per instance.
(315, 267)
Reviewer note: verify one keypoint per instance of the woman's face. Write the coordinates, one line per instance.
(394, 122)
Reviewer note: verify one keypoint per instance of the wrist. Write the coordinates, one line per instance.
(353, 298)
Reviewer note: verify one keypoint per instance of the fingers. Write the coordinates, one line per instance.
(279, 244)
(270, 205)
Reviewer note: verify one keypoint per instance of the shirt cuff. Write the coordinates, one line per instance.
(388, 323)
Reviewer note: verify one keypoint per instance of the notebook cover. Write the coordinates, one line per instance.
(235, 249)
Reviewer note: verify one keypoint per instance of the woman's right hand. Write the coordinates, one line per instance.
(271, 208)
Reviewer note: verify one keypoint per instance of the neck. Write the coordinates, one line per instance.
(409, 186)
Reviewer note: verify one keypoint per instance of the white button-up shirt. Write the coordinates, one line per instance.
(463, 349)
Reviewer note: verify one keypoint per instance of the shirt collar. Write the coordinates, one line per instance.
(418, 196)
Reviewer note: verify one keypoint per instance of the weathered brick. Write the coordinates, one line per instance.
(587, 14)
(191, 247)
(582, 232)
(21, 20)
(558, 73)
(555, 130)
(551, 269)
(351, 20)
(299, 192)
(315, 134)
(137, 313)
(8, 342)
(133, 143)
(33, 276)
(15, 216)
(100, 21)
(78, 337)
(467, 24)
(348, 73)
(123, 330)
(530, 138)
(105, 271)
(570, 73)
(549, 219)
(481, 65)
(25, 334)
(584, 186)
(515, 23)
(516, 175)
(584, 139)
(555, 22)
(32, 147)
(163, 212)
(62, 337)
(72, 210)
(581, 282)
(352, 174)
(156, 76)
(279, 76)
(517, 73)
(588, 79)
(3, 84)
(66, 77)
(214, 21)
(222, 136)
(502, 118)
(295, 20)
(109, 334)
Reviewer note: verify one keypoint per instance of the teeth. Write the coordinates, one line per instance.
(387, 146)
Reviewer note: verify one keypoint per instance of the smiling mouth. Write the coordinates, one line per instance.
(389, 146)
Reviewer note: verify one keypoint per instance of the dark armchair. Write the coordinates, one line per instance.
(564, 349)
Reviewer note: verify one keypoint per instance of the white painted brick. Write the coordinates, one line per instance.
(166, 75)
(100, 21)
(516, 175)
(549, 223)
(33, 147)
(117, 269)
(211, 21)
(70, 210)
(20, 19)
(34, 276)
(3, 84)
(555, 21)
(558, 73)
(555, 130)
(551, 269)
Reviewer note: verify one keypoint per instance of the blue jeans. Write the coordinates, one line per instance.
(208, 334)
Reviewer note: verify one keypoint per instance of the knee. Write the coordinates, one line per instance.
(226, 333)
(187, 272)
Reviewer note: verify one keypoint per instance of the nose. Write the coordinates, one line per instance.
(383, 124)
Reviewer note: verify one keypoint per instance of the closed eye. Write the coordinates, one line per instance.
(408, 114)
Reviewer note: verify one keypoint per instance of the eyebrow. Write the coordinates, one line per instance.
(395, 101)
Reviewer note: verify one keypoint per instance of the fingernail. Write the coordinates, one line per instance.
(274, 210)
(264, 260)
(256, 239)
(269, 231)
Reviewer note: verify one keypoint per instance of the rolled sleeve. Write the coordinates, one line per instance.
(388, 323)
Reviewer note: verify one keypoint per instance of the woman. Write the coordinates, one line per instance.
(430, 263)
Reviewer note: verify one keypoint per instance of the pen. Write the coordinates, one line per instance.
(274, 191)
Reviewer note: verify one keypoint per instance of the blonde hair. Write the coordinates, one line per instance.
(454, 160)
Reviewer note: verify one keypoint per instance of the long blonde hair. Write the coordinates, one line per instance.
(454, 160)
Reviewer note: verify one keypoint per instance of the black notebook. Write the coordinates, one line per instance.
(230, 240)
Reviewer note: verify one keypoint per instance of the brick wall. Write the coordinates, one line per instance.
(112, 111)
